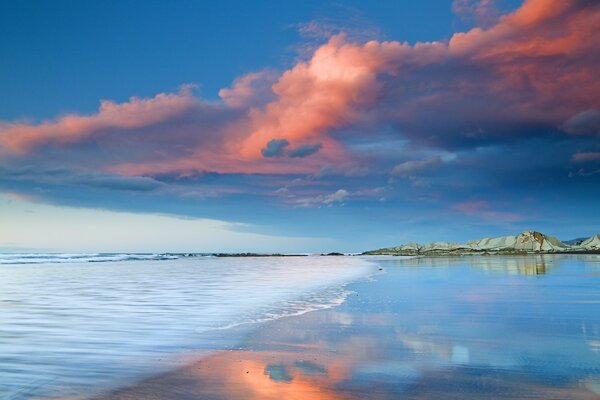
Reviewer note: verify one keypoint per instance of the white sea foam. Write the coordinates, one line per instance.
(71, 325)
(45, 258)
(329, 299)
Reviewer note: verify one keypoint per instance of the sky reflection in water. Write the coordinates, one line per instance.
(473, 327)
(448, 327)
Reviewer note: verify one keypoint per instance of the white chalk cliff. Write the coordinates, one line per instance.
(592, 243)
(525, 242)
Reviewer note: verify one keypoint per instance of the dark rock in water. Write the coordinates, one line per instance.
(333, 254)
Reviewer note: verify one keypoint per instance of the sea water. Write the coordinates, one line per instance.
(70, 323)
(468, 327)
(476, 327)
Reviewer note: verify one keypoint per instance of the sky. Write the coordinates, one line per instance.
(297, 126)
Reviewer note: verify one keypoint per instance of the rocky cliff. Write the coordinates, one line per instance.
(525, 242)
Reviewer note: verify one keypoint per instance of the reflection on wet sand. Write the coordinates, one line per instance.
(414, 333)
(241, 374)
(288, 362)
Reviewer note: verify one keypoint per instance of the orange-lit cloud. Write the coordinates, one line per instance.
(73, 128)
(248, 90)
(528, 74)
(321, 94)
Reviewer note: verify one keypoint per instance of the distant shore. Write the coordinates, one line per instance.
(458, 253)
(527, 242)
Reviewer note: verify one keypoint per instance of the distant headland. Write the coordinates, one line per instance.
(523, 243)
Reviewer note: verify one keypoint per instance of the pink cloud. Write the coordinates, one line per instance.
(530, 49)
(249, 90)
(72, 128)
(586, 156)
(482, 209)
(530, 71)
(344, 83)
(330, 90)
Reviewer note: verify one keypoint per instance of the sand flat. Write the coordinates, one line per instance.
(451, 328)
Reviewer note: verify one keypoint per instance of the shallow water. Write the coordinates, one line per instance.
(481, 326)
(427, 328)
(68, 327)
(535, 318)
(447, 327)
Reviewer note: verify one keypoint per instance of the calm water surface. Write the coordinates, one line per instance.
(482, 326)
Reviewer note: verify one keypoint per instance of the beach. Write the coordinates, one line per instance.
(75, 329)
(452, 328)
(316, 327)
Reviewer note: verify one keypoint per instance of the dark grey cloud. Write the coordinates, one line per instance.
(117, 182)
(59, 176)
(305, 150)
(275, 148)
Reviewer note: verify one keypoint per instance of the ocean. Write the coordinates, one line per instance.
(165, 326)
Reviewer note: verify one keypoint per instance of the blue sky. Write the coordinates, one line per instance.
(296, 126)
(64, 56)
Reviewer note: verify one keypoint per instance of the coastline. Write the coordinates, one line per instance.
(524, 243)
(74, 328)
(385, 341)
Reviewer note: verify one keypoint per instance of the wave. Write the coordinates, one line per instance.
(293, 308)
(46, 258)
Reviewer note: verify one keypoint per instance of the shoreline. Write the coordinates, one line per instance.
(478, 253)
(207, 374)
(72, 328)
(365, 348)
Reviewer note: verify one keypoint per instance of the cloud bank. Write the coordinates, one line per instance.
(512, 100)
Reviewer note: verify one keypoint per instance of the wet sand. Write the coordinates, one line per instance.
(316, 373)
(393, 339)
